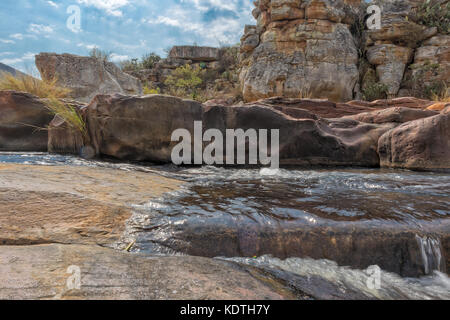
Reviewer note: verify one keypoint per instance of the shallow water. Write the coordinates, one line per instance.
(237, 198)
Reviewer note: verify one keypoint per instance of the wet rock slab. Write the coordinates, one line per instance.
(42, 272)
(70, 204)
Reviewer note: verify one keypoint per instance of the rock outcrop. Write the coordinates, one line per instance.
(420, 144)
(140, 128)
(300, 48)
(322, 49)
(23, 122)
(86, 76)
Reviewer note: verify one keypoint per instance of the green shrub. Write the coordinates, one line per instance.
(185, 81)
(374, 91)
(149, 60)
(435, 13)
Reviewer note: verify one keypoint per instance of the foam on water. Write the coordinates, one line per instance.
(392, 286)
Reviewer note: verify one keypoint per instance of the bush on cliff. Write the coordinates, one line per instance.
(435, 13)
(100, 54)
(185, 82)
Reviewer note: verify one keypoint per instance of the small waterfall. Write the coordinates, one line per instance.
(431, 254)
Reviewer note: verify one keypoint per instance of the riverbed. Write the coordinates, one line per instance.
(295, 223)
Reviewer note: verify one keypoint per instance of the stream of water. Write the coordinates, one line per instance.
(243, 214)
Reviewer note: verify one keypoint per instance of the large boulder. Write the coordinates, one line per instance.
(139, 128)
(23, 122)
(300, 48)
(420, 144)
(86, 76)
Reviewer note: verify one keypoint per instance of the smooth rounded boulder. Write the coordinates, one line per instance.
(423, 144)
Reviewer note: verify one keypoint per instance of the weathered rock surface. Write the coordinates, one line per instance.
(299, 108)
(42, 272)
(42, 204)
(195, 53)
(300, 48)
(395, 115)
(86, 76)
(151, 120)
(358, 244)
(403, 40)
(23, 120)
(305, 141)
(139, 128)
(420, 144)
(431, 64)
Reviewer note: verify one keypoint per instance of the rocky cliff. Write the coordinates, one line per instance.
(322, 48)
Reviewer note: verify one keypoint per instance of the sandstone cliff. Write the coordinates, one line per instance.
(323, 49)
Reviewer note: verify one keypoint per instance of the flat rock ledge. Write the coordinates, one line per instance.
(51, 272)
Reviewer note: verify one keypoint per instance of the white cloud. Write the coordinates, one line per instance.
(25, 57)
(17, 36)
(221, 30)
(7, 41)
(87, 45)
(118, 58)
(110, 6)
(39, 28)
(53, 4)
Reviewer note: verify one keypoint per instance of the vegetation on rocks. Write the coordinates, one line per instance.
(435, 13)
(99, 54)
(51, 94)
(185, 81)
(39, 88)
(148, 61)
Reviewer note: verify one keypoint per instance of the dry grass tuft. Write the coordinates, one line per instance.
(39, 88)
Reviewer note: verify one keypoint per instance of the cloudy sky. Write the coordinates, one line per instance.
(127, 28)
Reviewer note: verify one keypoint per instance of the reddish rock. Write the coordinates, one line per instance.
(422, 144)
(23, 122)
(395, 115)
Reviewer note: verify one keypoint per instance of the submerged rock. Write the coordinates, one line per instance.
(23, 122)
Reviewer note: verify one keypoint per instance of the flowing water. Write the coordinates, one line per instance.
(298, 220)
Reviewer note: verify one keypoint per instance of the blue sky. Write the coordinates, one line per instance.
(127, 28)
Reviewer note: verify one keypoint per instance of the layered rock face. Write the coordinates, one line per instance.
(23, 120)
(300, 48)
(392, 48)
(86, 76)
(305, 48)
